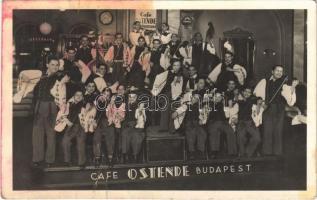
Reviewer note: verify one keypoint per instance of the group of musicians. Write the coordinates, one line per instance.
(98, 92)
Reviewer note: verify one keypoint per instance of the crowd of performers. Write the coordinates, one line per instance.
(182, 87)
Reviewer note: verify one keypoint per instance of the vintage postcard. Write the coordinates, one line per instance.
(158, 99)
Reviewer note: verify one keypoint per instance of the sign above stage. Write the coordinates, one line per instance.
(147, 18)
(93, 176)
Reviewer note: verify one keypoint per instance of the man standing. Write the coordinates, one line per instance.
(170, 86)
(69, 65)
(44, 116)
(227, 70)
(276, 94)
(118, 58)
(155, 61)
(84, 51)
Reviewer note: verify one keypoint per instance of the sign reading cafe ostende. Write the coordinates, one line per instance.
(147, 18)
(156, 172)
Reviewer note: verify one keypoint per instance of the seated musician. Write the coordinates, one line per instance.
(137, 32)
(186, 51)
(174, 46)
(164, 35)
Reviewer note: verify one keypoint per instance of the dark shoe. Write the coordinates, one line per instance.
(111, 162)
(200, 155)
(48, 165)
(213, 155)
(191, 156)
(134, 159)
(68, 164)
(82, 166)
(97, 162)
(231, 156)
(120, 159)
(125, 158)
(36, 164)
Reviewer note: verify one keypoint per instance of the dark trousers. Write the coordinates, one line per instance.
(103, 129)
(273, 120)
(165, 105)
(75, 131)
(155, 113)
(244, 128)
(117, 142)
(43, 124)
(132, 138)
(215, 128)
(195, 134)
(118, 72)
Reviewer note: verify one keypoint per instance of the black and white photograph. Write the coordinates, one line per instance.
(160, 99)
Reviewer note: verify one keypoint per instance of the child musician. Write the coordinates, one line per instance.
(133, 128)
(116, 114)
(246, 124)
(75, 130)
(88, 112)
(103, 128)
(194, 130)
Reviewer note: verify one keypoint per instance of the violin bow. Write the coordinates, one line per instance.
(278, 89)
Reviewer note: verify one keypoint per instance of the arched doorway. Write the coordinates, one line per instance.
(82, 29)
